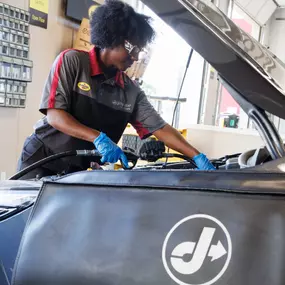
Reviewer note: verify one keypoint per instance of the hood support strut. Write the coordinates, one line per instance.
(265, 127)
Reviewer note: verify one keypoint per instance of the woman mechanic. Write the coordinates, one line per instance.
(88, 100)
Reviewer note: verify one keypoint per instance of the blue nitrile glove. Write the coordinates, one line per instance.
(109, 150)
(203, 163)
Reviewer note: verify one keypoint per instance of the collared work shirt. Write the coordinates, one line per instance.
(77, 85)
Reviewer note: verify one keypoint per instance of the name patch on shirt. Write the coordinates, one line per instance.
(121, 105)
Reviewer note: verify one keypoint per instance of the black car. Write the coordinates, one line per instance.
(164, 223)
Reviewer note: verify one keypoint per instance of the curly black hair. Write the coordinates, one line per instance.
(115, 22)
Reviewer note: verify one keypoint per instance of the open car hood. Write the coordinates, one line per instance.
(239, 59)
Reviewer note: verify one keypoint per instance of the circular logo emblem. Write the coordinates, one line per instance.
(197, 250)
(84, 86)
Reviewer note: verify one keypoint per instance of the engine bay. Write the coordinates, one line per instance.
(153, 152)
(153, 155)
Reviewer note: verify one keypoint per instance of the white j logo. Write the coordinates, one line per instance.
(187, 263)
(216, 251)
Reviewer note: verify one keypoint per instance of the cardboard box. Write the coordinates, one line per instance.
(83, 37)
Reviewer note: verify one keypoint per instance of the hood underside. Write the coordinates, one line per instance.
(238, 58)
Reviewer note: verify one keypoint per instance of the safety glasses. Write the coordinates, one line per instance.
(133, 51)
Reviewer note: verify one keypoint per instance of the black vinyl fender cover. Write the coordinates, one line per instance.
(107, 227)
(244, 181)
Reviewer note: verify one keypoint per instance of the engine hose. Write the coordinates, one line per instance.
(168, 155)
(52, 158)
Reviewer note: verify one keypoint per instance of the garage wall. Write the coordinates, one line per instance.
(17, 124)
(217, 142)
(260, 10)
(273, 38)
(276, 40)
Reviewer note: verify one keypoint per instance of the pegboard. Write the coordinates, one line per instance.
(15, 66)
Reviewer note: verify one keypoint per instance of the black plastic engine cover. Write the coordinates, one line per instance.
(162, 227)
(152, 150)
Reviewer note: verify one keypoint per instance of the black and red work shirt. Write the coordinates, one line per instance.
(77, 85)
